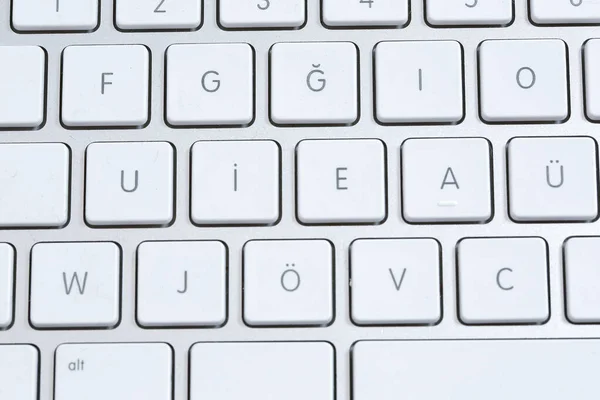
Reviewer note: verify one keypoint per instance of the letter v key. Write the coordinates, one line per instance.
(398, 284)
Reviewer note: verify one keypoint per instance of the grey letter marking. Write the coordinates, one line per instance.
(397, 284)
(74, 279)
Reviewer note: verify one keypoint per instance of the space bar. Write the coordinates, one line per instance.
(474, 370)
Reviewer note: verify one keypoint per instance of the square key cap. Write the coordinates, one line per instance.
(553, 179)
(341, 181)
(503, 281)
(288, 283)
(469, 12)
(75, 285)
(262, 14)
(35, 178)
(523, 81)
(7, 284)
(410, 86)
(395, 281)
(55, 15)
(22, 87)
(314, 83)
(105, 86)
(447, 180)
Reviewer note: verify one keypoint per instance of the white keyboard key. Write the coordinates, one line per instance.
(469, 12)
(7, 283)
(314, 83)
(276, 370)
(236, 14)
(410, 86)
(582, 279)
(114, 371)
(129, 184)
(75, 285)
(236, 182)
(341, 181)
(181, 284)
(288, 282)
(19, 366)
(105, 86)
(210, 84)
(55, 15)
(446, 180)
(365, 12)
(552, 179)
(396, 282)
(476, 369)
(503, 281)
(158, 14)
(559, 12)
(22, 86)
(34, 178)
(591, 58)
(523, 81)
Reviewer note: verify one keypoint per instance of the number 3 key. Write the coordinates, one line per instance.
(261, 14)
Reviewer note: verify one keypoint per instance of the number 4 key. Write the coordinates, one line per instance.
(369, 2)
(158, 14)
(383, 13)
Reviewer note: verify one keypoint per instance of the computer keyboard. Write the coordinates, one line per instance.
(299, 199)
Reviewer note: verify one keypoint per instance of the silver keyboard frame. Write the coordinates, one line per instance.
(342, 333)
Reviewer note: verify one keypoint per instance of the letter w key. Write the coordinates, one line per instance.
(75, 280)
(75, 285)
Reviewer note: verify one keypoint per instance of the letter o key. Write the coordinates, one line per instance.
(522, 74)
(290, 280)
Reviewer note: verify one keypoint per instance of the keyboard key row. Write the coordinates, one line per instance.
(210, 85)
(83, 15)
(237, 183)
(145, 370)
(529, 368)
(291, 283)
